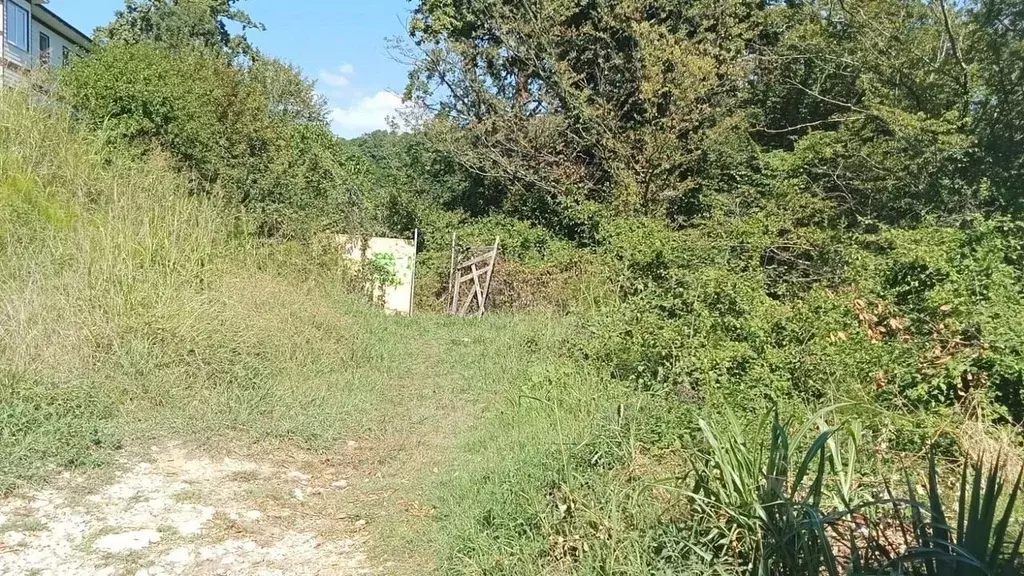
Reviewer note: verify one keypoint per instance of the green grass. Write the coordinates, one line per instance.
(481, 422)
(130, 309)
(129, 306)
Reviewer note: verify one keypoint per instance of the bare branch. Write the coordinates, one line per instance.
(811, 124)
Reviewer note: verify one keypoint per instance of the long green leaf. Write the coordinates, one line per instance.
(819, 415)
(855, 563)
(920, 530)
(801, 473)
(940, 530)
(981, 536)
(1014, 557)
(1004, 523)
(819, 482)
(973, 509)
(962, 509)
(930, 555)
(823, 543)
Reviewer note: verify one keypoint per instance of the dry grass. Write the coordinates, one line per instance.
(980, 440)
(128, 306)
(131, 311)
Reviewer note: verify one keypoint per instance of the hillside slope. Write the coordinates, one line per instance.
(136, 318)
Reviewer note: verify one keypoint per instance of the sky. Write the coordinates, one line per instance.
(342, 44)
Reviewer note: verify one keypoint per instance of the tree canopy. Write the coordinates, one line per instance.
(183, 23)
(891, 109)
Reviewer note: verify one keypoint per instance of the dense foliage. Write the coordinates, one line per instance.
(803, 200)
(189, 23)
(253, 129)
(749, 206)
(886, 108)
(798, 203)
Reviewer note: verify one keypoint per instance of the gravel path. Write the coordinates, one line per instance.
(177, 511)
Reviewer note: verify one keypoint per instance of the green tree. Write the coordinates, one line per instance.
(291, 96)
(602, 101)
(870, 101)
(182, 23)
(994, 56)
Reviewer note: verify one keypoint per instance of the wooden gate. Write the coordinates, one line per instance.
(470, 279)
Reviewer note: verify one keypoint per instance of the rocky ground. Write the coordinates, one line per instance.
(176, 510)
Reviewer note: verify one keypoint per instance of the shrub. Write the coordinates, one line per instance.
(256, 134)
(771, 514)
(918, 319)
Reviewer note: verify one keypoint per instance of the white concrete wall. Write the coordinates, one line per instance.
(397, 299)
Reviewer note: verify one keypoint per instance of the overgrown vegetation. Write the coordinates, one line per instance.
(708, 212)
(782, 512)
(124, 294)
(797, 204)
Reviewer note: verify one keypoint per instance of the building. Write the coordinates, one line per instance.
(31, 35)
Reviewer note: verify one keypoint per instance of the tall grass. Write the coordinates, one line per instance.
(128, 305)
(90, 245)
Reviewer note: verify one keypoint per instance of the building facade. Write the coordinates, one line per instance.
(31, 36)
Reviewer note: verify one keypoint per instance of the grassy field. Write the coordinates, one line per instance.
(131, 311)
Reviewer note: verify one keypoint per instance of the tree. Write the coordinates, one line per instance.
(994, 56)
(868, 102)
(606, 101)
(290, 95)
(182, 23)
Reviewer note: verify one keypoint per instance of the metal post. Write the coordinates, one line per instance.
(412, 280)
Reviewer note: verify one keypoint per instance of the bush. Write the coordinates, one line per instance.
(257, 135)
(918, 320)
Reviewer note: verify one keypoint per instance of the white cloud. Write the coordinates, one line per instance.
(334, 80)
(340, 78)
(366, 114)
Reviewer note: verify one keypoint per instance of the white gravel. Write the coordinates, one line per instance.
(164, 516)
(127, 541)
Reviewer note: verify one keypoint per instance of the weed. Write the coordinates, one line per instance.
(30, 524)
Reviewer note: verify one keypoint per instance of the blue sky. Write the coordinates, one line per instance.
(340, 43)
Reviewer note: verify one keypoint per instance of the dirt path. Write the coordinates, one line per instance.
(175, 510)
(246, 503)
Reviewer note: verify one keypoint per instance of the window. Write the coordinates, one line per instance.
(44, 49)
(17, 25)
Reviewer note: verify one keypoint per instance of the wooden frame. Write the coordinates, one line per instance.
(469, 281)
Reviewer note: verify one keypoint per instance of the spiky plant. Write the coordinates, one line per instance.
(762, 504)
(978, 545)
(771, 511)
